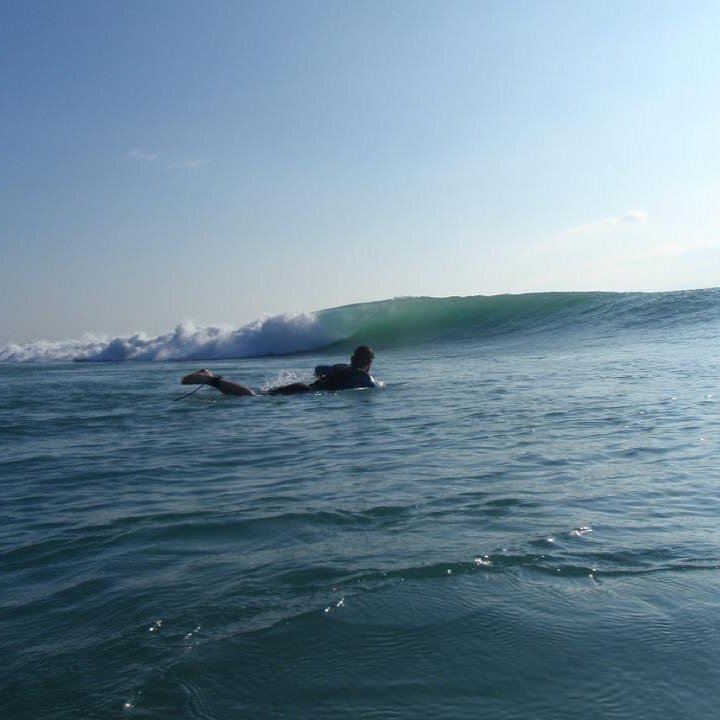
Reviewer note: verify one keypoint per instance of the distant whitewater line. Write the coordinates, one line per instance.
(401, 321)
(278, 335)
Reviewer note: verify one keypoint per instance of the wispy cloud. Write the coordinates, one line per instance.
(586, 236)
(145, 156)
(673, 249)
(150, 157)
(629, 217)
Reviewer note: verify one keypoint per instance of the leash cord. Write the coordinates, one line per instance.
(192, 392)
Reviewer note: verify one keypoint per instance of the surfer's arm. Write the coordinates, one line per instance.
(226, 387)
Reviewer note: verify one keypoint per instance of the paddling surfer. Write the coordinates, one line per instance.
(329, 377)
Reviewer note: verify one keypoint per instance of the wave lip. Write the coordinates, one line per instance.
(388, 323)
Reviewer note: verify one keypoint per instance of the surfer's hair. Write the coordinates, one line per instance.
(362, 357)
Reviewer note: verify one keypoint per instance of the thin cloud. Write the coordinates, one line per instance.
(581, 236)
(150, 157)
(630, 217)
(663, 252)
(673, 250)
(145, 156)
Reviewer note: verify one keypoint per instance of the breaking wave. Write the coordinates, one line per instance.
(278, 335)
(401, 321)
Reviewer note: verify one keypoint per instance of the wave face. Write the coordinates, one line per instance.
(396, 322)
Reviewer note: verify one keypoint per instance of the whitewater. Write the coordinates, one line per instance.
(522, 522)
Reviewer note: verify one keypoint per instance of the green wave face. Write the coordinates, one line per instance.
(403, 321)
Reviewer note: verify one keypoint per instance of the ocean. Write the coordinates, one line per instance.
(522, 522)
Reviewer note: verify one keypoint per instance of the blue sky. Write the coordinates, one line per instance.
(217, 161)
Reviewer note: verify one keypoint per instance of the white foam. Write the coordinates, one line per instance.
(275, 335)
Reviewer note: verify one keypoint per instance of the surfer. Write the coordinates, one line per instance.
(329, 377)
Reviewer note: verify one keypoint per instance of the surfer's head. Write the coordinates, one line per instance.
(362, 358)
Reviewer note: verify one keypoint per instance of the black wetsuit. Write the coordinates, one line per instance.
(333, 377)
(342, 377)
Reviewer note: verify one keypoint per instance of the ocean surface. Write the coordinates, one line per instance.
(523, 522)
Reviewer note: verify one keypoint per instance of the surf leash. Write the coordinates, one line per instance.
(192, 392)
